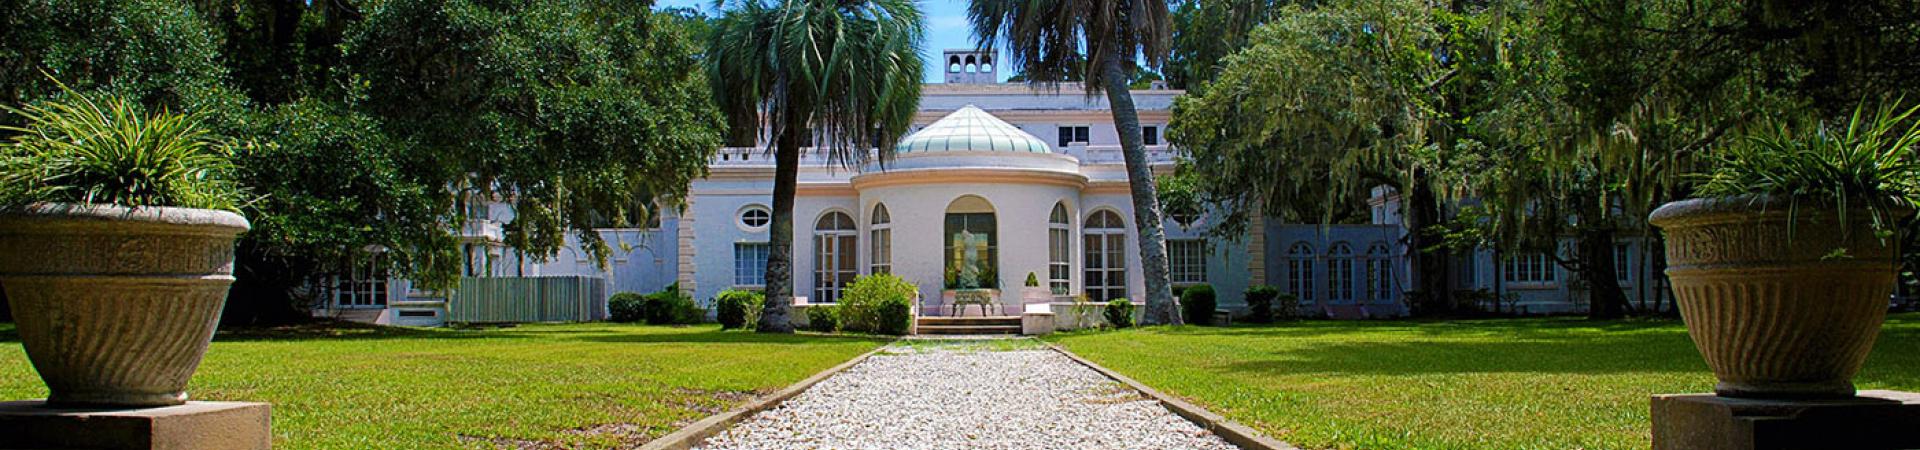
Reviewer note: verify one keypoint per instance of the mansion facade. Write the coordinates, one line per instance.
(996, 181)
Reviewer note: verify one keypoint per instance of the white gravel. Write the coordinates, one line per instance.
(965, 396)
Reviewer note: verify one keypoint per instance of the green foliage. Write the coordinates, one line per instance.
(84, 149)
(1322, 105)
(850, 71)
(1287, 306)
(1197, 302)
(823, 318)
(880, 304)
(1119, 313)
(670, 306)
(1260, 303)
(1204, 32)
(1033, 280)
(158, 54)
(1050, 42)
(627, 307)
(737, 308)
(378, 122)
(1870, 162)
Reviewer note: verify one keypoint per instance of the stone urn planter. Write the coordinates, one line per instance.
(115, 305)
(1778, 316)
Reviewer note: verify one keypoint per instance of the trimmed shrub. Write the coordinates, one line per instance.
(1287, 306)
(672, 307)
(627, 307)
(1120, 313)
(881, 304)
(1260, 303)
(1198, 303)
(1032, 280)
(823, 318)
(737, 308)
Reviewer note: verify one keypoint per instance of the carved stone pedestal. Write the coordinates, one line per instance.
(1873, 420)
(192, 426)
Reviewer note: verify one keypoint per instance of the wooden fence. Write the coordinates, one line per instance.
(529, 299)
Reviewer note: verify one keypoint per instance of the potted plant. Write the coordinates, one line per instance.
(1783, 264)
(1034, 293)
(119, 232)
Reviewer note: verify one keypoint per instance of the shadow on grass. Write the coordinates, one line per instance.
(714, 336)
(1545, 346)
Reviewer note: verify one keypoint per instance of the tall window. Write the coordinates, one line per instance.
(1300, 271)
(1379, 272)
(1059, 251)
(834, 244)
(880, 259)
(1105, 242)
(972, 247)
(750, 264)
(1528, 268)
(1340, 273)
(1188, 260)
(363, 286)
(1621, 263)
(1070, 135)
(1150, 135)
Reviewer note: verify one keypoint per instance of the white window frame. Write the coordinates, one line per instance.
(752, 272)
(829, 246)
(1060, 250)
(1187, 261)
(1379, 272)
(1300, 259)
(740, 218)
(365, 286)
(1107, 246)
(1340, 289)
(1623, 263)
(1076, 137)
(1529, 270)
(880, 246)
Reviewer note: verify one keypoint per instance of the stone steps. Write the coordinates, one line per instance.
(968, 325)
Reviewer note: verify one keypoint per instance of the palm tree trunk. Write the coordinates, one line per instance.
(775, 315)
(1146, 201)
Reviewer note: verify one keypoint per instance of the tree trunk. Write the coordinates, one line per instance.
(1605, 299)
(1430, 258)
(776, 314)
(1146, 202)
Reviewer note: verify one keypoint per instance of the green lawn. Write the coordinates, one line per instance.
(533, 386)
(1532, 383)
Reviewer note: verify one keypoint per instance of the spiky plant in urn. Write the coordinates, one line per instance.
(1783, 263)
(119, 233)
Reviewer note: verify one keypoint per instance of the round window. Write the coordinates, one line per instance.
(755, 217)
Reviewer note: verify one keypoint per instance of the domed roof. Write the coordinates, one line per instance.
(970, 129)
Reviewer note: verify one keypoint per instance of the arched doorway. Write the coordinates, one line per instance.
(835, 238)
(972, 245)
(1105, 243)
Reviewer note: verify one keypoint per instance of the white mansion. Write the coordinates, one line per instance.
(997, 181)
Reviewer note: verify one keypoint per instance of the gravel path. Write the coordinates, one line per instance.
(978, 395)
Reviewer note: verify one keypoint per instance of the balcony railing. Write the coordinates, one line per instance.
(809, 157)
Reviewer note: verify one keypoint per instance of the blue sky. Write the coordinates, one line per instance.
(946, 28)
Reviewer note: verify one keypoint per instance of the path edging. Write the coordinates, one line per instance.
(691, 435)
(1233, 432)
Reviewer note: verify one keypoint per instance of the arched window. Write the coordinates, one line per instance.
(1300, 271)
(1340, 273)
(972, 66)
(880, 259)
(953, 64)
(1379, 272)
(973, 252)
(835, 239)
(1105, 242)
(1059, 253)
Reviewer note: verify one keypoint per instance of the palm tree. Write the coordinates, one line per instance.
(840, 75)
(1047, 39)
